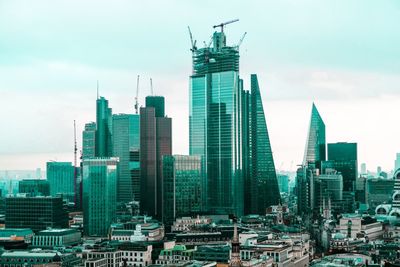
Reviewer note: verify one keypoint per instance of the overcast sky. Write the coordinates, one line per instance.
(342, 54)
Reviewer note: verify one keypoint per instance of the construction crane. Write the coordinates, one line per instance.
(191, 40)
(151, 86)
(225, 23)
(75, 167)
(137, 95)
(241, 39)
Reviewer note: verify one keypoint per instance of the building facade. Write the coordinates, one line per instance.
(34, 187)
(99, 195)
(89, 140)
(103, 139)
(61, 179)
(155, 142)
(183, 187)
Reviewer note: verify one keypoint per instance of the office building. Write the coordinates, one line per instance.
(328, 188)
(51, 238)
(283, 182)
(378, 191)
(126, 142)
(304, 190)
(61, 179)
(99, 195)
(36, 213)
(155, 142)
(103, 139)
(343, 158)
(261, 187)
(89, 140)
(397, 162)
(183, 187)
(315, 151)
(34, 187)
(215, 123)
(363, 169)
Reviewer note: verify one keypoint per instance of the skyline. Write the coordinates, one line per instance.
(344, 91)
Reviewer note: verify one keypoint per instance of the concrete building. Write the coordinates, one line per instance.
(56, 238)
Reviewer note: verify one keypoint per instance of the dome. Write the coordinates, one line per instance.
(339, 236)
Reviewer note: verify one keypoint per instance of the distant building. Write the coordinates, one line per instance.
(36, 213)
(34, 187)
(343, 158)
(103, 139)
(183, 188)
(378, 191)
(99, 195)
(61, 179)
(363, 169)
(89, 140)
(56, 238)
(155, 142)
(283, 182)
(397, 162)
(126, 142)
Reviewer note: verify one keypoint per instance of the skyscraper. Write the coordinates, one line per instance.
(315, 151)
(99, 195)
(103, 138)
(397, 162)
(126, 140)
(61, 179)
(155, 142)
(215, 123)
(182, 185)
(343, 158)
(89, 140)
(263, 182)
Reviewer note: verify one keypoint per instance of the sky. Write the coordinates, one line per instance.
(341, 54)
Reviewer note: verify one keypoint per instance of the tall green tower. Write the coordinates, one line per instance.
(103, 138)
(215, 123)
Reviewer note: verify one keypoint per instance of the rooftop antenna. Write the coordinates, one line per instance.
(137, 95)
(97, 89)
(225, 23)
(151, 86)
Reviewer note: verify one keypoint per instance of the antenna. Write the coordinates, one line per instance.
(225, 23)
(151, 86)
(137, 95)
(75, 169)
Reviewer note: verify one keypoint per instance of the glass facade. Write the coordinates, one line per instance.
(61, 179)
(89, 140)
(103, 138)
(155, 142)
(34, 187)
(126, 131)
(215, 124)
(99, 195)
(36, 213)
(183, 194)
(315, 151)
(343, 158)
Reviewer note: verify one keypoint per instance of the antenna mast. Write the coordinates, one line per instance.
(75, 169)
(137, 95)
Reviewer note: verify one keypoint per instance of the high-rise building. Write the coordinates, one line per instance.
(36, 213)
(34, 187)
(397, 162)
(283, 182)
(378, 191)
(264, 187)
(304, 190)
(103, 139)
(215, 123)
(363, 168)
(99, 195)
(61, 179)
(315, 151)
(89, 141)
(343, 158)
(126, 140)
(155, 142)
(328, 188)
(183, 187)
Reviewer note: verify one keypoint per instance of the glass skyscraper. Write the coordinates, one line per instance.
(182, 186)
(61, 179)
(315, 151)
(89, 140)
(215, 123)
(103, 138)
(126, 139)
(155, 142)
(99, 195)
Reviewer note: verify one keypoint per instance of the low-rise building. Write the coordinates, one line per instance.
(37, 257)
(56, 238)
